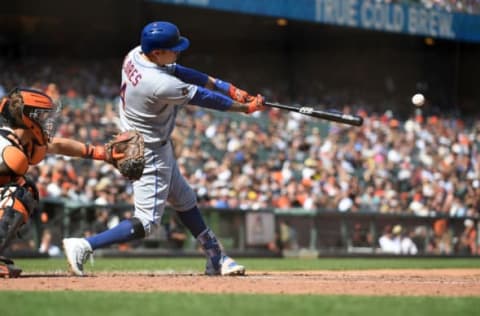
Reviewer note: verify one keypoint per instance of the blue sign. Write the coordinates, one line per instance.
(365, 14)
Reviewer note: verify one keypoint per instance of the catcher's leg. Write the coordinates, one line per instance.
(10, 223)
(19, 203)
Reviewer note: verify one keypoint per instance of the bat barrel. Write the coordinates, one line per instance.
(341, 117)
(332, 115)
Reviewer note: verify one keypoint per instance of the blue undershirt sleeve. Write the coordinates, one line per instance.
(190, 75)
(211, 99)
(222, 86)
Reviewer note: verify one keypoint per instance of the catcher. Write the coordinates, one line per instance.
(27, 126)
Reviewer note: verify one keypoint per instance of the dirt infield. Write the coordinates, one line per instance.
(441, 282)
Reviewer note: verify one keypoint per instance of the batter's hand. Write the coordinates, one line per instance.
(255, 103)
(237, 94)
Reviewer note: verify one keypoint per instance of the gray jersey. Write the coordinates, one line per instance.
(150, 97)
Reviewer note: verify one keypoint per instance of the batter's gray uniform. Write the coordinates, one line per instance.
(150, 99)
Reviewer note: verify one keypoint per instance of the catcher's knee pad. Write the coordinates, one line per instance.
(16, 205)
(14, 160)
(22, 199)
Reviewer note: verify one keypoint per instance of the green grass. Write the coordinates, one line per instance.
(197, 264)
(123, 304)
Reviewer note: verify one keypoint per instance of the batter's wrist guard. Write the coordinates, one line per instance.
(223, 86)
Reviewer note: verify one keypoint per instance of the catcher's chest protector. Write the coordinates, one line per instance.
(13, 164)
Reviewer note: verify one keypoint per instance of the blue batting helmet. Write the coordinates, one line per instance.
(163, 35)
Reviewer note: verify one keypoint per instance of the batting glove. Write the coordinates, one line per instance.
(237, 94)
(255, 103)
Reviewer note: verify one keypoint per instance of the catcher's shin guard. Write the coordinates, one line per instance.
(8, 269)
(10, 222)
(18, 203)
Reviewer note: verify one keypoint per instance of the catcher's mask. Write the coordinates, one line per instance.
(31, 109)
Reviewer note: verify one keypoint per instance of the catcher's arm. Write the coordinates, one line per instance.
(125, 151)
(73, 148)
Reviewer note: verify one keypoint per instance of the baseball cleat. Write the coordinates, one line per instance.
(227, 267)
(77, 251)
(8, 268)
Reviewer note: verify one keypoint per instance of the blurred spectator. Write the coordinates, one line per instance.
(387, 241)
(442, 238)
(468, 239)
(47, 246)
(176, 233)
(395, 240)
(101, 221)
(419, 236)
(361, 237)
(3, 92)
(53, 92)
(407, 246)
(287, 236)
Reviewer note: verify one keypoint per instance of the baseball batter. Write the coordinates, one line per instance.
(153, 89)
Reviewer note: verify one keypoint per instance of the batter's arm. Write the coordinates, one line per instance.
(198, 78)
(193, 76)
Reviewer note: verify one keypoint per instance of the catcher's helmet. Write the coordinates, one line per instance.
(31, 109)
(163, 35)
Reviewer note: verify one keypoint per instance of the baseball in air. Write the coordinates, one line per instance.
(418, 99)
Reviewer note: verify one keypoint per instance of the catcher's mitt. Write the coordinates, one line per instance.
(126, 152)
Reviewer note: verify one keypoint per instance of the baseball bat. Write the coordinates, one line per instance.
(332, 115)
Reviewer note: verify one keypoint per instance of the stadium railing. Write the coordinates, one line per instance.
(273, 232)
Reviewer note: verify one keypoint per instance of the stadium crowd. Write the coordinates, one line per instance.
(424, 165)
